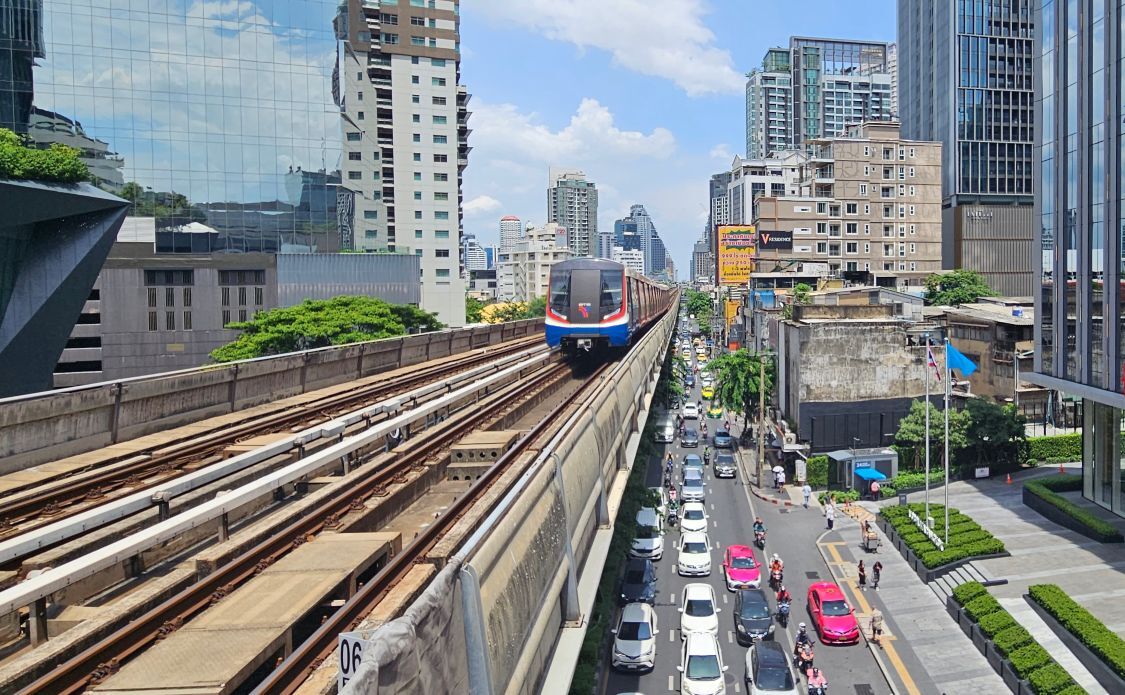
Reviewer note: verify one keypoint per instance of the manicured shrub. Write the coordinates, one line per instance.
(1047, 489)
(816, 468)
(966, 537)
(912, 480)
(982, 606)
(1106, 644)
(1011, 639)
(1065, 446)
(841, 496)
(968, 591)
(994, 623)
(1027, 659)
(1050, 679)
(57, 163)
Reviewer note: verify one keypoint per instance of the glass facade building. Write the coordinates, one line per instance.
(1080, 202)
(216, 119)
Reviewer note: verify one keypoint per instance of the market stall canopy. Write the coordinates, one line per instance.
(869, 474)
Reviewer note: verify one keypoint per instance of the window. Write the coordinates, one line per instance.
(359, 115)
(415, 99)
(867, 229)
(888, 230)
(442, 272)
(913, 266)
(418, 21)
(440, 140)
(911, 230)
(355, 156)
(416, 118)
(417, 156)
(437, 62)
(417, 233)
(170, 320)
(242, 296)
(226, 296)
(833, 249)
(259, 295)
(161, 278)
(438, 101)
(902, 173)
(417, 137)
(440, 120)
(359, 96)
(902, 249)
(888, 173)
(441, 253)
(902, 211)
(441, 178)
(822, 247)
(834, 210)
(867, 171)
(912, 248)
(417, 214)
(822, 208)
(417, 40)
(417, 195)
(187, 320)
(867, 248)
(866, 151)
(912, 156)
(152, 297)
(441, 158)
(414, 79)
(888, 266)
(851, 208)
(441, 215)
(440, 195)
(390, 39)
(901, 154)
(822, 228)
(432, 43)
(226, 317)
(911, 191)
(901, 231)
(414, 60)
(370, 214)
(388, 18)
(833, 230)
(888, 153)
(887, 192)
(911, 210)
(241, 314)
(437, 81)
(901, 189)
(888, 250)
(355, 137)
(441, 234)
(152, 320)
(851, 247)
(851, 228)
(355, 175)
(888, 212)
(863, 189)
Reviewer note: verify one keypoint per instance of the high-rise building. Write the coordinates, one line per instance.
(605, 244)
(633, 259)
(892, 68)
(524, 269)
(474, 254)
(511, 230)
(967, 81)
(815, 88)
(702, 261)
(406, 137)
(658, 255)
(718, 209)
(779, 174)
(1080, 253)
(572, 201)
(21, 44)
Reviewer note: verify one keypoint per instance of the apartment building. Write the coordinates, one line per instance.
(523, 270)
(632, 259)
(769, 106)
(406, 137)
(779, 174)
(871, 207)
(511, 230)
(572, 202)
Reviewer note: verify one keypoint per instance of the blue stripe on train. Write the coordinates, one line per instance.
(618, 335)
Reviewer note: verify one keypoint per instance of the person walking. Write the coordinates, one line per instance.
(830, 514)
(807, 492)
(876, 571)
(862, 576)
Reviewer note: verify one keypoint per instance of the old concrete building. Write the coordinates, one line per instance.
(523, 270)
(872, 213)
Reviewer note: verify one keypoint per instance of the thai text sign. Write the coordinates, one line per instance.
(737, 245)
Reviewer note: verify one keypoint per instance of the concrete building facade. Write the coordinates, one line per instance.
(779, 174)
(769, 106)
(473, 254)
(967, 80)
(632, 259)
(511, 231)
(524, 270)
(572, 202)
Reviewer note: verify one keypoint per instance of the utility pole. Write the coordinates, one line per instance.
(761, 415)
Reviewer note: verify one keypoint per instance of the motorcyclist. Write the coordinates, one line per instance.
(804, 655)
(706, 453)
(759, 526)
(776, 565)
(783, 595)
(817, 679)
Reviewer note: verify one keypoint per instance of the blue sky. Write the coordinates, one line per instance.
(645, 95)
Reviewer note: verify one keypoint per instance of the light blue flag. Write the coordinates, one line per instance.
(958, 361)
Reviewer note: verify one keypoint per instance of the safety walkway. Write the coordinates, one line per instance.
(216, 651)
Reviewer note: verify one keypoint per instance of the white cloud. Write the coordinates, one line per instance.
(721, 152)
(662, 38)
(481, 205)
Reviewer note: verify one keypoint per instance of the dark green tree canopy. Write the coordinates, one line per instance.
(737, 384)
(473, 308)
(956, 287)
(699, 304)
(322, 322)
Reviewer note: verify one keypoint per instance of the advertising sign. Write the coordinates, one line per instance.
(730, 311)
(780, 241)
(737, 244)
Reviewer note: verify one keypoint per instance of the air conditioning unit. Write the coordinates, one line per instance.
(790, 438)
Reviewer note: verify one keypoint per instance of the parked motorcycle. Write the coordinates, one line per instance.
(783, 613)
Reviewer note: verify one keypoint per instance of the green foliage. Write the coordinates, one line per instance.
(1011, 639)
(1050, 680)
(1099, 639)
(1027, 659)
(995, 622)
(981, 606)
(319, 323)
(817, 471)
(669, 387)
(57, 163)
(956, 287)
(905, 481)
(1055, 446)
(737, 379)
(536, 308)
(700, 305)
(966, 538)
(996, 436)
(1072, 690)
(1047, 490)
(515, 311)
(968, 591)
(840, 496)
(912, 432)
(801, 293)
(473, 308)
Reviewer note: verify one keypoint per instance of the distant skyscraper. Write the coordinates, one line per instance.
(511, 230)
(967, 80)
(658, 255)
(814, 89)
(605, 244)
(572, 202)
(892, 68)
(474, 254)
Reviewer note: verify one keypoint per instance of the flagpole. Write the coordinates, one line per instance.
(948, 397)
(927, 373)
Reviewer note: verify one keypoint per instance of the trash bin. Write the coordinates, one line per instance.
(902, 500)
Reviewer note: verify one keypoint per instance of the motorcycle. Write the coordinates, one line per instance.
(804, 659)
(775, 579)
(673, 518)
(818, 689)
(783, 613)
(760, 539)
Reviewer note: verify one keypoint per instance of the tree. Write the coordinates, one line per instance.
(737, 380)
(801, 293)
(473, 308)
(996, 434)
(669, 387)
(699, 305)
(956, 287)
(536, 308)
(321, 322)
(912, 432)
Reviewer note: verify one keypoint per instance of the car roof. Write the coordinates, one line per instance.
(636, 613)
(701, 643)
(771, 654)
(691, 457)
(827, 590)
(637, 562)
(693, 480)
(694, 590)
(693, 505)
(741, 550)
(756, 595)
(693, 536)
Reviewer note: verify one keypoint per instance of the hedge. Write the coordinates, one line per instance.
(816, 469)
(1072, 690)
(1106, 644)
(982, 606)
(995, 623)
(966, 537)
(1047, 490)
(1050, 680)
(841, 496)
(1057, 446)
(1027, 659)
(968, 591)
(911, 480)
(57, 163)
(1011, 639)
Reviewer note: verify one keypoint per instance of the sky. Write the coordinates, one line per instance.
(646, 96)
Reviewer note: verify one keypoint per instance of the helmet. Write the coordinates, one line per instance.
(783, 589)
(801, 626)
(775, 557)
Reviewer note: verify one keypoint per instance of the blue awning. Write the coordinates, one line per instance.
(869, 474)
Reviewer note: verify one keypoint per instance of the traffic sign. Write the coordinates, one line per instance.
(351, 646)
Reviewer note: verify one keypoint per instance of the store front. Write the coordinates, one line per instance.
(1103, 456)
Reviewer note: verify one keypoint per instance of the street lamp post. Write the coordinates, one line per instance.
(761, 415)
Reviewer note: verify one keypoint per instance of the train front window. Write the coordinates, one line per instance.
(612, 281)
(560, 293)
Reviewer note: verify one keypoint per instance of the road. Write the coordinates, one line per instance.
(792, 533)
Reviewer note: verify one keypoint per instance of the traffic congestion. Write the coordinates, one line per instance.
(700, 611)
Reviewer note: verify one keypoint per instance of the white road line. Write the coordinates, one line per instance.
(730, 637)
(672, 635)
(737, 687)
(673, 599)
(725, 598)
(672, 683)
(712, 506)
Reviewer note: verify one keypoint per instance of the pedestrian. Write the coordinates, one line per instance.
(781, 481)
(807, 492)
(876, 570)
(875, 490)
(830, 514)
(776, 479)
(862, 576)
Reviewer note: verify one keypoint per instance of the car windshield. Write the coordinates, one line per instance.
(836, 608)
(692, 459)
(699, 608)
(703, 668)
(634, 576)
(775, 679)
(634, 631)
(693, 482)
(725, 460)
(722, 433)
(743, 563)
(754, 610)
(647, 532)
(695, 547)
(694, 514)
(690, 433)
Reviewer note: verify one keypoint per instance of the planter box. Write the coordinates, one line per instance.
(979, 639)
(1009, 676)
(966, 625)
(1025, 689)
(995, 659)
(1056, 515)
(1093, 663)
(953, 608)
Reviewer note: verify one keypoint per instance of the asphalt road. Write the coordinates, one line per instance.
(792, 534)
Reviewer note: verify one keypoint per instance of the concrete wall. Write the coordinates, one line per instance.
(45, 427)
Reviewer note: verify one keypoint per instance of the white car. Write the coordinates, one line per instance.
(648, 541)
(693, 517)
(690, 411)
(698, 612)
(691, 490)
(694, 555)
(705, 375)
(634, 638)
(701, 666)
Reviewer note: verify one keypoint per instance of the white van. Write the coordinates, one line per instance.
(665, 431)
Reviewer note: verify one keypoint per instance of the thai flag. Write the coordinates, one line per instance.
(930, 361)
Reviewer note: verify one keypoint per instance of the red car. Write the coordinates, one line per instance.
(740, 568)
(833, 617)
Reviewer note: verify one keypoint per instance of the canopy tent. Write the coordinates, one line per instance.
(869, 474)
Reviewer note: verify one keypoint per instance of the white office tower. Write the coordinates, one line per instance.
(406, 137)
(524, 269)
(632, 259)
(572, 202)
(511, 231)
(474, 254)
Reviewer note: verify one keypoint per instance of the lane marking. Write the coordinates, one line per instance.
(730, 637)
(672, 683)
(725, 599)
(672, 635)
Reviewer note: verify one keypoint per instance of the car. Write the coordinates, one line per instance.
(697, 610)
(693, 517)
(686, 354)
(690, 437)
(665, 432)
(691, 490)
(724, 466)
(701, 666)
(707, 392)
(715, 411)
(741, 569)
(634, 639)
(705, 375)
(639, 582)
(659, 500)
(648, 540)
(691, 462)
(768, 671)
(689, 381)
(694, 555)
(753, 619)
(832, 616)
(723, 440)
(690, 411)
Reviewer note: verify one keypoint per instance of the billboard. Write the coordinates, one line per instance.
(737, 244)
(775, 241)
(730, 311)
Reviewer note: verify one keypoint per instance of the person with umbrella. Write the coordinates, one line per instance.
(778, 477)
